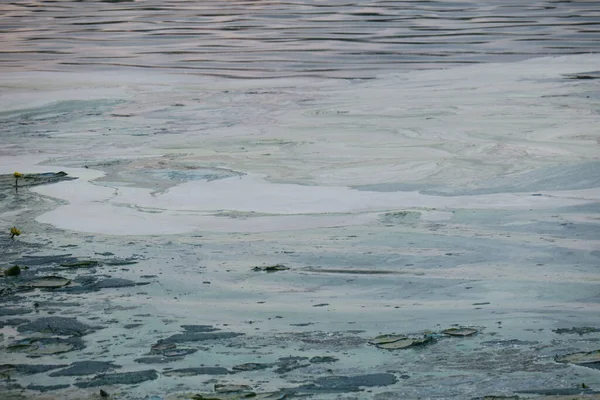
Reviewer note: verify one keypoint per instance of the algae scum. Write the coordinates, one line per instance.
(82, 318)
(432, 235)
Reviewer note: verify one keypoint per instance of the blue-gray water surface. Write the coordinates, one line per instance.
(267, 232)
(259, 39)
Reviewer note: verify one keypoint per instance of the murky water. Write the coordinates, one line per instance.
(333, 38)
(444, 195)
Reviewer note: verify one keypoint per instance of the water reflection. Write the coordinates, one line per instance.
(336, 38)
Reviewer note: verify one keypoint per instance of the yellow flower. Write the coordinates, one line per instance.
(14, 231)
(18, 175)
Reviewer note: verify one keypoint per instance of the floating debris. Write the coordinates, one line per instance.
(351, 271)
(5, 312)
(91, 284)
(382, 339)
(509, 343)
(49, 282)
(288, 364)
(228, 388)
(590, 359)
(157, 360)
(251, 367)
(198, 337)
(81, 264)
(39, 347)
(395, 342)
(400, 344)
(50, 388)
(462, 332)
(80, 368)
(161, 347)
(239, 395)
(169, 350)
(582, 330)
(120, 261)
(199, 328)
(125, 378)
(112, 283)
(31, 261)
(271, 268)
(28, 369)
(197, 371)
(58, 326)
(322, 359)
(332, 384)
(560, 393)
(585, 75)
(178, 352)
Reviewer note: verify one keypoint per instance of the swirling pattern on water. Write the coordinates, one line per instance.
(270, 38)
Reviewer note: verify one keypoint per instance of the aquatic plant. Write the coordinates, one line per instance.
(13, 271)
(14, 231)
(17, 175)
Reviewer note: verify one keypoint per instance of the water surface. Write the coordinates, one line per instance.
(435, 194)
(335, 38)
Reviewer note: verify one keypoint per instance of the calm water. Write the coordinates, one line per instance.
(478, 202)
(333, 38)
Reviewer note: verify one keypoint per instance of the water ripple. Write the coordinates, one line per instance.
(335, 38)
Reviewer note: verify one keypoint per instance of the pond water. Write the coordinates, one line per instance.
(403, 167)
(271, 38)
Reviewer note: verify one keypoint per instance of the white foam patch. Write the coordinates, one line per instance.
(240, 203)
(304, 143)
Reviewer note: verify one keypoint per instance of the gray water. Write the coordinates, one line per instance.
(447, 195)
(259, 39)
